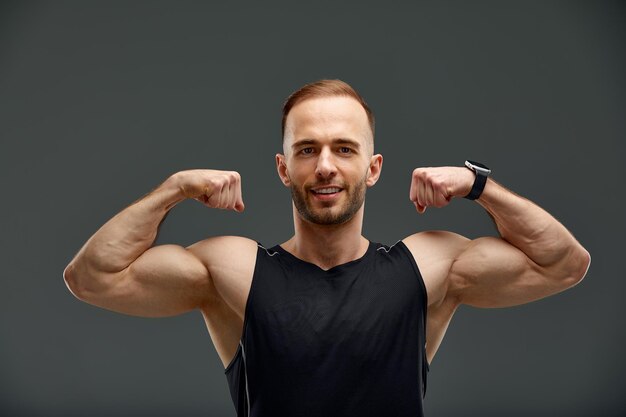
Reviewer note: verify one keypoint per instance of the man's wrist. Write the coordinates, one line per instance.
(481, 173)
(488, 191)
(170, 192)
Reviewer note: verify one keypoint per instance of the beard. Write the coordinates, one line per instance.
(329, 215)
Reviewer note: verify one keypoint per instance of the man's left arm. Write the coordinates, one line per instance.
(534, 257)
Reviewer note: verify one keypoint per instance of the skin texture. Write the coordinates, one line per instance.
(327, 143)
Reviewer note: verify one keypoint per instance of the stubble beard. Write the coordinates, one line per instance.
(325, 215)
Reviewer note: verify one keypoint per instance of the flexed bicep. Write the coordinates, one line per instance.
(491, 273)
(165, 280)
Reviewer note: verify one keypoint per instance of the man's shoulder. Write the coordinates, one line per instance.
(435, 252)
(224, 248)
(436, 244)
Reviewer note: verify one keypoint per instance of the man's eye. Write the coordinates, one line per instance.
(344, 149)
(307, 150)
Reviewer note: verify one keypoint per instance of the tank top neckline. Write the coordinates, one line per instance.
(370, 250)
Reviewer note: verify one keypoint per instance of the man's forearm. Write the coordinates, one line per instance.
(533, 230)
(127, 235)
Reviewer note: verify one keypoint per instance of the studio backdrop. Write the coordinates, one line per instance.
(102, 101)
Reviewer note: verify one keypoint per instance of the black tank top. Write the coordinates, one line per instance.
(349, 341)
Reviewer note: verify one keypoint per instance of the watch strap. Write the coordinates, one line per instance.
(478, 187)
(479, 184)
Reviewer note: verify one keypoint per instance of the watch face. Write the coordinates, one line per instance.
(477, 166)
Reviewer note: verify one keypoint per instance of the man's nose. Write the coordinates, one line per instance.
(325, 164)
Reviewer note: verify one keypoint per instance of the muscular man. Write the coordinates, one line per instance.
(327, 323)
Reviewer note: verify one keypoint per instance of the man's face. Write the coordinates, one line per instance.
(328, 162)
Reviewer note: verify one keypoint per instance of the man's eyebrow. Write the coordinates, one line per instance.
(346, 141)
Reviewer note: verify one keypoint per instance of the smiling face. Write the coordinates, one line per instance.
(328, 162)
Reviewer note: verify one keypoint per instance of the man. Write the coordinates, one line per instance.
(327, 323)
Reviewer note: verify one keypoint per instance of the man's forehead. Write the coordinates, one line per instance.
(342, 113)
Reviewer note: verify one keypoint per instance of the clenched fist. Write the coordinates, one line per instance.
(436, 186)
(213, 188)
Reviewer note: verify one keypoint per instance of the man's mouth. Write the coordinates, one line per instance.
(326, 193)
(329, 190)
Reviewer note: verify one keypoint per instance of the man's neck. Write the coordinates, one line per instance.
(327, 245)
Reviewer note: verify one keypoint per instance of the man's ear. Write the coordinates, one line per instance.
(281, 167)
(374, 169)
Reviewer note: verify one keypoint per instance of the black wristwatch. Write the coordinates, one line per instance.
(482, 172)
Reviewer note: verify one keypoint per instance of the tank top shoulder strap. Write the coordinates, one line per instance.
(268, 251)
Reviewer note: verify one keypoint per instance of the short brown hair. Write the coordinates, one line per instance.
(325, 88)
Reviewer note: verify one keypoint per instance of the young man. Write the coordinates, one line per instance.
(327, 323)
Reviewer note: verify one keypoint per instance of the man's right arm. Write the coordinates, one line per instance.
(117, 268)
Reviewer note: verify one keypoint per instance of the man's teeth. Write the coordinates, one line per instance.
(327, 190)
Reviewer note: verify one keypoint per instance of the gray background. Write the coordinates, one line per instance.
(100, 102)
